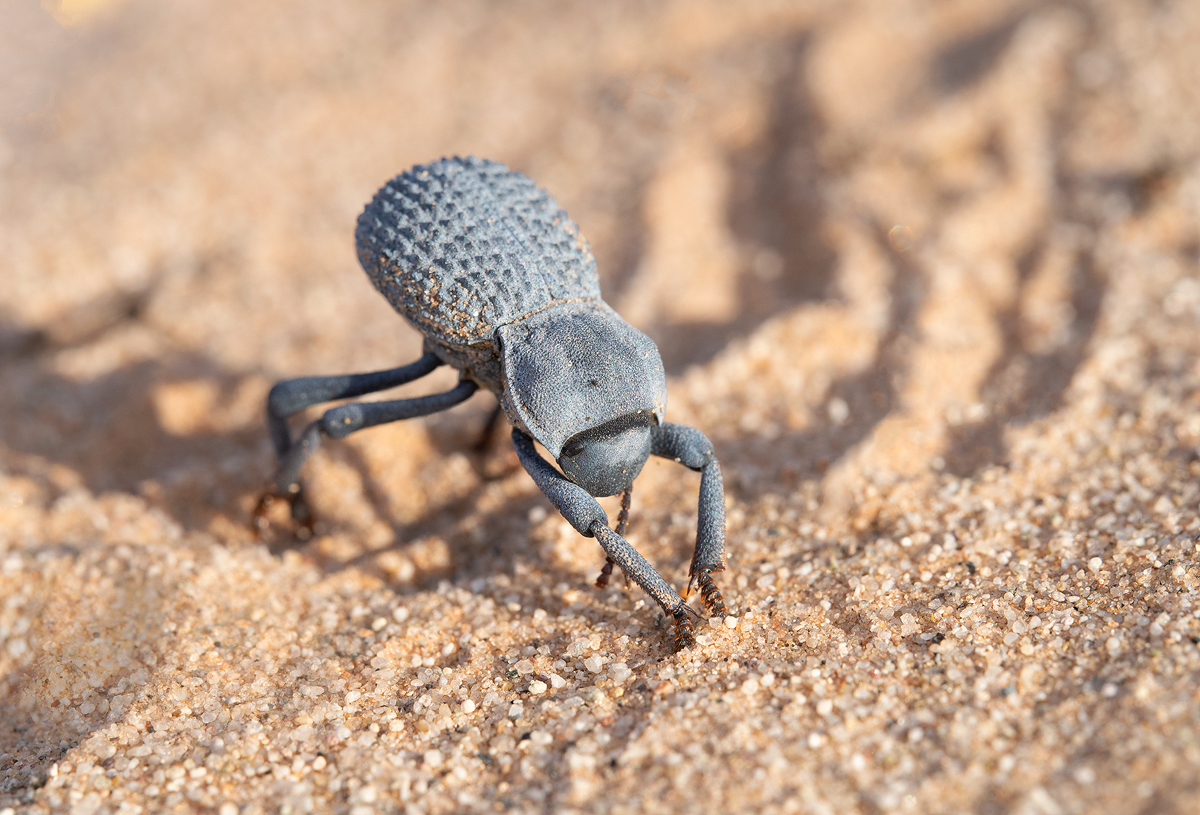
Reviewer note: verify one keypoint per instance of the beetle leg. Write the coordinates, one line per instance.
(692, 449)
(685, 632)
(291, 396)
(605, 573)
(298, 507)
(341, 421)
(489, 464)
(489, 430)
(713, 601)
(584, 513)
(622, 525)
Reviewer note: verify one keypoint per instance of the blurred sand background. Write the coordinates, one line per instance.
(927, 273)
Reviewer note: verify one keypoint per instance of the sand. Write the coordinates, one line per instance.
(928, 274)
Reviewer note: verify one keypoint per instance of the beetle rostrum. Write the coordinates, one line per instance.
(499, 281)
(606, 459)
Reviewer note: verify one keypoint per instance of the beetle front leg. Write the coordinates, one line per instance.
(692, 449)
(584, 513)
(642, 573)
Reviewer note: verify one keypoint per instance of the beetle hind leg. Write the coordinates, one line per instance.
(290, 397)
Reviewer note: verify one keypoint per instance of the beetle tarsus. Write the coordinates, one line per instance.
(298, 508)
(714, 603)
(623, 515)
(685, 632)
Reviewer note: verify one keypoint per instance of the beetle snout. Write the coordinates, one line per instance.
(605, 460)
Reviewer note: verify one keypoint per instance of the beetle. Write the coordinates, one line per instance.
(503, 287)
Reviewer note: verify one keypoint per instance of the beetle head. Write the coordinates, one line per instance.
(604, 460)
(573, 372)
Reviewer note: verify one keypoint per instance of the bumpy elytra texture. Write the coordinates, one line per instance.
(462, 246)
(497, 277)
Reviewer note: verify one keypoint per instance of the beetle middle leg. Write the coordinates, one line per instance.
(584, 513)
(489, 430)
(491, 464)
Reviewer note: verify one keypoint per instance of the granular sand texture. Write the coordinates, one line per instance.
(928, 274)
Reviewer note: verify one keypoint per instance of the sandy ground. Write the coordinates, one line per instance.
(928, 274)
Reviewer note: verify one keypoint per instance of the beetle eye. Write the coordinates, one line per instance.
(606, 459)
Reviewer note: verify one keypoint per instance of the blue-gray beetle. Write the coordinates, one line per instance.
(503, 287)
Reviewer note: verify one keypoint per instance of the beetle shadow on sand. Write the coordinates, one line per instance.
(1023, 385)
(110, 431)
(478, 543)
(50, 425)
(107, 434)
(776, 205)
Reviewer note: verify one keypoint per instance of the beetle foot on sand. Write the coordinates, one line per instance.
(714, 603)
(298, 508)
(685, 632)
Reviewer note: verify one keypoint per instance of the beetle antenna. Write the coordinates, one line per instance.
(623, 515)
(622, 525)
(605, 574)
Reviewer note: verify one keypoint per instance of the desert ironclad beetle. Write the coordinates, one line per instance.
(503, 287)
